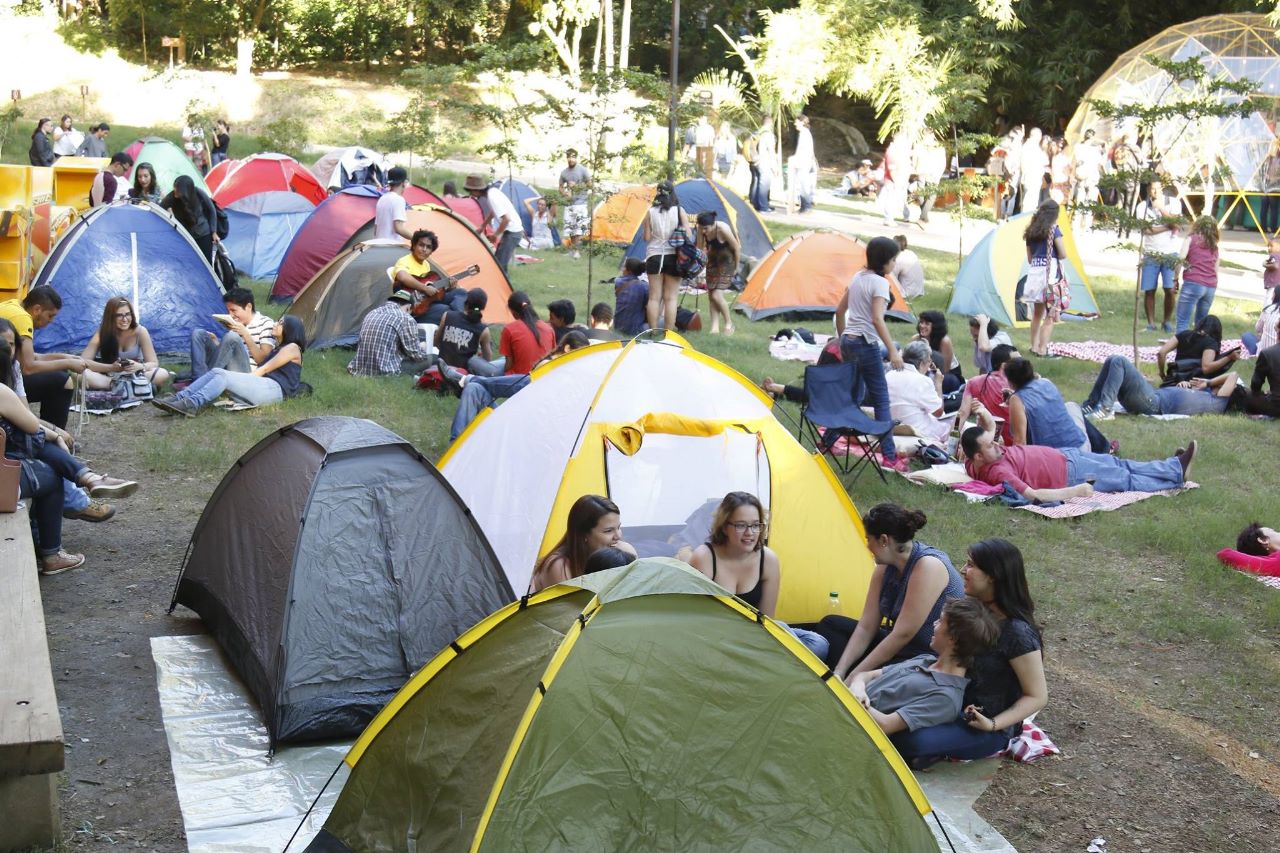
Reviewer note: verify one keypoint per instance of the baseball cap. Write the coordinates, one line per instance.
(402, 295)
(397, 175)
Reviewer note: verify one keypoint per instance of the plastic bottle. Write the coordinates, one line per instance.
(833, 604)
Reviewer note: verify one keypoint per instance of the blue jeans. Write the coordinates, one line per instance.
(480, 392)
(870, 362)
(254, 390)
(763, 185)
(1197, 298)
(1250, 341)
(207, 352)
(74, 498)
(1154, 272)
(506, 249)
(1112, 474)
(812, 640)
(1120, 379)
(956, 740)
(43, 486)
(478, 366)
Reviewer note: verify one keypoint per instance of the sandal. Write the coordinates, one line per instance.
(56, 564)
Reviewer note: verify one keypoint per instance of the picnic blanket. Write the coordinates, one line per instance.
(1265, 570)
(1100, 351)
(794, 349)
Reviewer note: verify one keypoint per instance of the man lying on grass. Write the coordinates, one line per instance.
(1048, 474)
(927, 690)
(1257, 550)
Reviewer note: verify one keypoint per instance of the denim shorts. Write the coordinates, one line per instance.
(1153, 272)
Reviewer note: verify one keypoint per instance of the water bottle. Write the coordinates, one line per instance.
(833, 604)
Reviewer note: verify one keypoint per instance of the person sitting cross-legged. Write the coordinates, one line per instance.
(278, 377)
(1121, 381)
(928, 690)
(463, 337)
(249, 338)
(1041, 473)
(388, 343)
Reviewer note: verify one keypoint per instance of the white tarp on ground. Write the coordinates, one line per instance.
(232, 795)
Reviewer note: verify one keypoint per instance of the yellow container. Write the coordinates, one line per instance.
(73, 178)
(41, 184)
(15, 187)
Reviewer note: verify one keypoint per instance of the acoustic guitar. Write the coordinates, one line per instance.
(443, 285)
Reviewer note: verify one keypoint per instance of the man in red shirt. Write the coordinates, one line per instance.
(988, 390)
(1048, 474)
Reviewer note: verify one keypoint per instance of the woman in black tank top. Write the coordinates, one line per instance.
(463, 338)
(736, 557)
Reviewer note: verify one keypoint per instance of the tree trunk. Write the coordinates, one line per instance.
(244, 57)
(606, 16)
(624, 38)
(595, 56)
(142, 14)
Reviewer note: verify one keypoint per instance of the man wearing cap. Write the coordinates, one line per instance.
(389, 342)
(499, 210)
(390, 216)
(575, 181)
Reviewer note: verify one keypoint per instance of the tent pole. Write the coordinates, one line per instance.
(133, 263)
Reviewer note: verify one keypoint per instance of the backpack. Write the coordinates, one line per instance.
(691, 259)
(132, 389)
(224, 268)
(223, 225)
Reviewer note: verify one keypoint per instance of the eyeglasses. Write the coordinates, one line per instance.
(744, 526)
(124, 316)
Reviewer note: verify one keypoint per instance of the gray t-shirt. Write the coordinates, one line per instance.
(578, 176)
(921, 696)
(864, 288)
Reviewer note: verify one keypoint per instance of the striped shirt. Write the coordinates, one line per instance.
(263, 331)
(388, 335)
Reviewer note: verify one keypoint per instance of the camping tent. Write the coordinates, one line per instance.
(697, 195)
(261, 227)
(214, 177)
(1231, 47)
(468, 208)
(619, 216)
(519, 192)
(664, 431)
(333, 303)
(460, 248)
(640, 708)
(351, 166)
(330, 563)
(990, 277)
(322, 236)
(167, 159)
(415, 194)
(136, 250)
(808, 273)
(263, 173)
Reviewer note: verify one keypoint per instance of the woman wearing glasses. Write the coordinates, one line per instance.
(735, 555)
(121, 345)
(910, 584)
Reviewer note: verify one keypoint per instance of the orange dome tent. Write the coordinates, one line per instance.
(808, 273)
(617, 217)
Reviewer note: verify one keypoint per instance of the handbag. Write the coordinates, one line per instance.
(10, 479)
(133, 389)
(691, 260)
(224, 268)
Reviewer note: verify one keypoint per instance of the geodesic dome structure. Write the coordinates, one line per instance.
(1232, 46)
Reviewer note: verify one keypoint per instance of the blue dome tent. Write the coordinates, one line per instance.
(697, 195)
(136, 250)
(519, 192)
(262, 226)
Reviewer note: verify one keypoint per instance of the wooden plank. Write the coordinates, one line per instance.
(30, 727)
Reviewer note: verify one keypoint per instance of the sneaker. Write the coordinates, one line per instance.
(1100, 414)
(1186, 456)
(100, 485)
(1113, 448)
(175, 405)
(1151, 327)
(95, 511)
(1166, 327)
(56, 564)
(900, 465)
(454, 379)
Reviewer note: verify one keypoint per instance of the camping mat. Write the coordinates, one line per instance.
(233, 797)
(1274, 583)
(1101, 502)
(1100, 351)
(794, 349)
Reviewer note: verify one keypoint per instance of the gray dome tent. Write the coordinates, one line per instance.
(330, 563)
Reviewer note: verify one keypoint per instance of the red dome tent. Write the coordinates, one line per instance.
(415, 194)
(215, 176)
(267, 173)
(322, 237)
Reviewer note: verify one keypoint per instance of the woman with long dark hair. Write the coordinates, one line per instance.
(1045, 254)
(660, 223)
(41, 153)
(463, 340)
(121, 345)
(594, 522)
(1007, 684)
(1196, 353)
(144, 184)
(277, 378)
(195, 211)
(931, 327)
(1199, 273)
(909, 585)
(526, 339)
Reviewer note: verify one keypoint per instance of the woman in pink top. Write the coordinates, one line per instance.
(1199, 273)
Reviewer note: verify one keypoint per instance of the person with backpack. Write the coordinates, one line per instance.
(660, 225)
(195, 211)
(723, 250)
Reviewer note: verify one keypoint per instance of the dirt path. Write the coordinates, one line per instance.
(1144, 777)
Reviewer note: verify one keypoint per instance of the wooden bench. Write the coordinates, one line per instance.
(31, 752)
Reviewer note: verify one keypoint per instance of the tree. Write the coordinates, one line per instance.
(1189, 102)
(562, 22)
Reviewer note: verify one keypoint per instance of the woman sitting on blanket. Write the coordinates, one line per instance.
(1006, 684)
(594, 522)
(121, 345)
(910, 584)
(1195, 353)
(736, 558)
(929, 690)
(277, 378)
(932, 329)
(1039, 415)
(1257, 551)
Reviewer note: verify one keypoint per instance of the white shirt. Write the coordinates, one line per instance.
(704, 135)
(1164, 243)
(1088, 161)
(803, 158)
(863, 290)
(913, 399)
(661, 224)
(391, 208)
(66, 142)
(910, 274)
(502, 207)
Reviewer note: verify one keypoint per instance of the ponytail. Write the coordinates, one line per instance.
(522, 309)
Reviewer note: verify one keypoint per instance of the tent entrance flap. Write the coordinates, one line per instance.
(672, 484)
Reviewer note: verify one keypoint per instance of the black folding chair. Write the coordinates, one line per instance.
(832, 393)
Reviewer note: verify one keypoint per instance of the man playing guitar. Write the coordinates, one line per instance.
(434, 294)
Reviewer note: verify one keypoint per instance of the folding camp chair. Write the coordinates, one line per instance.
(832, 392)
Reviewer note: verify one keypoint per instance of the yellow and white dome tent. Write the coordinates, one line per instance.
(665, 432)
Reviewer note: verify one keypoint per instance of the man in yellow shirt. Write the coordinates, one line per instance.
(46, 376)
(414, 273)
